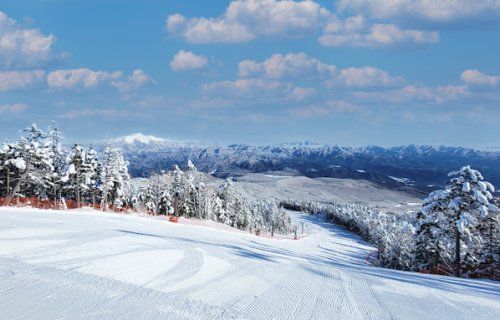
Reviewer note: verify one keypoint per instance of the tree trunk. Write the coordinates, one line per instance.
(8, 182)
(16, 188)
(176, 205)
(93, 199)
(78, 187)
(458, 267)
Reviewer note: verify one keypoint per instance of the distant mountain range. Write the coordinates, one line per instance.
(419, 166)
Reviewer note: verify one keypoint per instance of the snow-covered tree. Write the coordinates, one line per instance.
(114, 177)
(456, 213)
(76, 173)
(92, 175)
(155, 197)
(29, 164)
(57, 153)
(226, 214)
(469, 202)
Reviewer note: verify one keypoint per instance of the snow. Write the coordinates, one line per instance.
(142, 138)
(95, 265)
(299, 188)
(19, 163)
(401, 180)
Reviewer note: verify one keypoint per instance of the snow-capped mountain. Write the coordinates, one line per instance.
(140, 142)
(141, 138)
(420, 166)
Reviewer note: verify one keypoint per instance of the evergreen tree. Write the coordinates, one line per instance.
(114, 178)
(92, 175)
(57, 150)
(456, 212)
(76, 174)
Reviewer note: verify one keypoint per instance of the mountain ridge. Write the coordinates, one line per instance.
(419, 166)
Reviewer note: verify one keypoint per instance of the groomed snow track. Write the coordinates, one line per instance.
(92, 265)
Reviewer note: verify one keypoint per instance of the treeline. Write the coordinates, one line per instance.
(186, 194)
(456, 232)
(39, 166)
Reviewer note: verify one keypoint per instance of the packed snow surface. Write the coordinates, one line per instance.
(93, 265)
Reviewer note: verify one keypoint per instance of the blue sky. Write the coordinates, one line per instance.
(348, 72)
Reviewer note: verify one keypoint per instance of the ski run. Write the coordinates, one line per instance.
(86, 264)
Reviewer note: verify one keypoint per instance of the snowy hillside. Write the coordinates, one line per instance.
(87, 265)
(280, 186)
(423, 167)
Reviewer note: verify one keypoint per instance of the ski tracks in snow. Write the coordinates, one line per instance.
(96, 266)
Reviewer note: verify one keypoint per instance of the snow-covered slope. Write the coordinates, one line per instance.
(276, 186)
(88, 265)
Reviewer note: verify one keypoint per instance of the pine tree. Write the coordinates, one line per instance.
(470, 196)
(54, 141)
(30, 159)
(456, 212)
(75, 176)
(114, 178)
(93, 174)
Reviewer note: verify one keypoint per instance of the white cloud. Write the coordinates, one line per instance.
(365, 77)
(254, 89)
(10, 80)
(13, 108)
(202, 30)
(137, 79)
(279, 66)
(152, 102)
(300, 65)
(413, 93)
(187, 60)
(82, 78)
(442, 11)
(5, 21)
(356, 33)
(109, 113)
(242, 87)
(299, 93)
(21, 46)
(325, 108)
(245, 20)
(476, 77)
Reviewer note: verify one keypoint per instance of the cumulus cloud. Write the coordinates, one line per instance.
(476, 77)
(255, 88)
(279, 66)
(413, 93)
(245, 20)
(325, 108)
(357, 32)
(22, 46)
(137, 79)
(110, 113)
(299, 93)
(82, 78)
(442, 11)
(13, 108)
(365, 77)
(300, 65)
(11, 80)
(187, 60)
